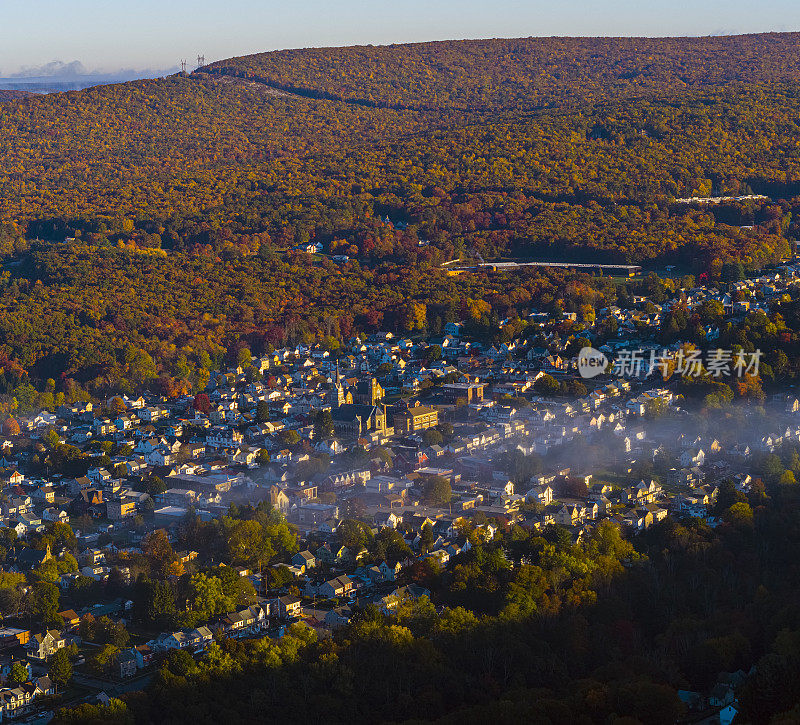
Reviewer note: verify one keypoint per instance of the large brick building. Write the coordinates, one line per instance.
(415, 418)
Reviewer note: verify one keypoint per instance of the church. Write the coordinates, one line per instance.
(364, 416)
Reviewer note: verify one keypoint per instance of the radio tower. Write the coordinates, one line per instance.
(201, 60)
(183, 66)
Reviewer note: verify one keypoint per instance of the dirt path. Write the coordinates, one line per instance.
(255, 85)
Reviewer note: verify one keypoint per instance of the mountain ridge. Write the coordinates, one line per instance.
(521, 72)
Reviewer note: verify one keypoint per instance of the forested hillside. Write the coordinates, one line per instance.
(13, 95)
(529, 628)
(551, 148)
(522, 73)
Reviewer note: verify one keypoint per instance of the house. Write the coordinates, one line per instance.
(43, 646)
(441, 556)
(184, 556)
(10, 477)
(389, 571)
(501, 488)
(195, 449)
(43, 686)
(637, 519)
(103, 427)
(146, 445)
(33, 558)
(339, 587)
(14, 701)
(727, 715)
(13, 637)
(25, 523)
(236, 623)
(721, 695)
(146, 652)
(346, 479)
(391, 601)
(153, 414)
(373, 574)
(90, 501)
(301, 493)
(388, 519)
(179, 497)
(70, 617)
(570, 514)
(126, 422)
(643, 492)
(327, 555)
(161, 456)
(694, 457)
(222, 437)
(338, 617)
(45, 494)
(121, 509)
(167, 641)
(305, 560)
(659, 512)
(93, 557)
(199, 638)
(313, 514)
(55, 514)
(129, 661)
(286, 606)
(468, 392)
(309, 247)
(542, 494)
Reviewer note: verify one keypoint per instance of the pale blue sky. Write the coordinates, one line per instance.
(156, 34)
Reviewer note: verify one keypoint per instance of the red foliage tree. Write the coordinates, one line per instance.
(11, 427)
(201, 403)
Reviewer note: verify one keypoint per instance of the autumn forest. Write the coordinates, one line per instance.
(165, 221)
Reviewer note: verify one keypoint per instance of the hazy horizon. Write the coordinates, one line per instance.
(73, 69)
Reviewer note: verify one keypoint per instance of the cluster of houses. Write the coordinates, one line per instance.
(402, 421)
(246, 435)
(20, 700)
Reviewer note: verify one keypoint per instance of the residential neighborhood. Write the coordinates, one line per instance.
(425, 445)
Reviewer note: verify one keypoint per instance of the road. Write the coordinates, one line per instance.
(497, 266)
(113, 687)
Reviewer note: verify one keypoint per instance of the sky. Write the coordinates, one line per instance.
(155, 34)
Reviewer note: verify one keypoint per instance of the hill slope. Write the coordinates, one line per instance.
(523, 72)
(13, 95)
(190, 172)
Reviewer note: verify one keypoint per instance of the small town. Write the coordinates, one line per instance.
(342, 479)
(389, 365)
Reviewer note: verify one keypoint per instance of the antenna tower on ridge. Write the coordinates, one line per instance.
(201, 60)
(183, 66)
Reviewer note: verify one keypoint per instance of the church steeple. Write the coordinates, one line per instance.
(337, 398)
